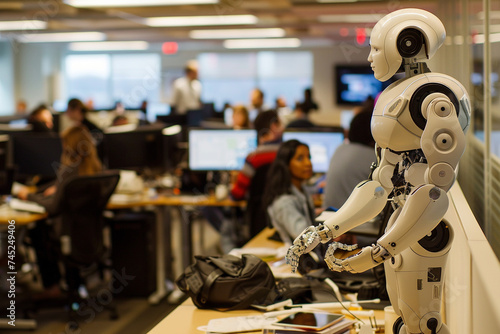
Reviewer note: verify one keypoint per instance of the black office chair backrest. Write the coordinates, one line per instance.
(256, 214)
(83, 201)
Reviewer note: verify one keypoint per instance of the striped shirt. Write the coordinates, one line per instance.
(263, 155)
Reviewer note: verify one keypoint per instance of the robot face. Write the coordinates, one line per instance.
(378, 59)
(395, 36)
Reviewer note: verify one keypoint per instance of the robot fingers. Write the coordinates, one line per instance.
(333, 262)
(361, 261)
(304, 243)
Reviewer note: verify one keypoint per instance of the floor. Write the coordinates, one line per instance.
(136, 316)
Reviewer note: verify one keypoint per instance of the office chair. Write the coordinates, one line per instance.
(83, 251)
(255, 214)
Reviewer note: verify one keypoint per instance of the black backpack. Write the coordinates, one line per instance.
(227, 282)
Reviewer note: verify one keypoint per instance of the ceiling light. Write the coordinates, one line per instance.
(62, 37)
(186, 21)
(262, 43)
(23, 25)
(237, 33)
(350, 18)
(136, 3)
(109, 46)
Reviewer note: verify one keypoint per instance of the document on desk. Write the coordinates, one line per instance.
(338, 328)
(18, 204)
(238, 324)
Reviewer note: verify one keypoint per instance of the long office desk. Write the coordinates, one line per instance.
(21, 219)
(187, 318)
(161, 204)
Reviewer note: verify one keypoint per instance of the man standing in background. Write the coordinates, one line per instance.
(187, 91)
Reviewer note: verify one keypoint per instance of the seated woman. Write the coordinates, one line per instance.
(79, 157)
(289, 206)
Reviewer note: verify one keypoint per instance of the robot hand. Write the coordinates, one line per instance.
(367, 258)
(306, 242)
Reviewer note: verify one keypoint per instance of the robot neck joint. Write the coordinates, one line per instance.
(413, 68)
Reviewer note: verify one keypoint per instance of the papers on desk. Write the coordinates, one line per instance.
(126, 198)
(261, 252)
(338, 328)
(260, 322)
(238, 324)
(20, 205)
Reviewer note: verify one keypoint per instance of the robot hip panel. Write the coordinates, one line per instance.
(415, 285)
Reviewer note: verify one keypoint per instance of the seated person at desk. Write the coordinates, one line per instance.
(288, 204)
(351, 161)
(41, 119)
(76, 112)
(250, 181)
(241, 118)
(79, 157)
(299, 118)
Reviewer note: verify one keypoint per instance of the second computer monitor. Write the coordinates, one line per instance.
(322, 145)
(36, 154)
(212, 150)
(139, 149)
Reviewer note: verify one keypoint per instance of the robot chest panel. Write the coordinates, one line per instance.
(392, 124)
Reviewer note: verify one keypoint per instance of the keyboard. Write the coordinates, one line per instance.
(21, 205)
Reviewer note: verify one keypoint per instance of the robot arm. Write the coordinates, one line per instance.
(423, 210)
(443, 140)
(365, 202)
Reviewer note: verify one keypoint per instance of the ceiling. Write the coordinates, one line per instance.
(299, 18)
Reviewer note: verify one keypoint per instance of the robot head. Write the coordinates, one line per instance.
(407, 33)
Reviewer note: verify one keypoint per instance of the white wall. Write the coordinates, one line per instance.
(38, 67)
(7, 105)
(38, 73)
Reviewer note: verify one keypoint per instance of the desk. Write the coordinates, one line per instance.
(186, 318)
(21, 218)
(160, 203)
(164, 246)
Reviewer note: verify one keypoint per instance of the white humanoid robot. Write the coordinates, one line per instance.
(419, 124)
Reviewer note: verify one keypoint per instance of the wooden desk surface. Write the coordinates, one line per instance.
(174, 200)
(21, 218)
(186, 318)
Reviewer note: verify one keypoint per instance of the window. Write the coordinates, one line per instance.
(230, 77)
(108, 78)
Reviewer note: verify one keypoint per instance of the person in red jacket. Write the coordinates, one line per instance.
(250, 181)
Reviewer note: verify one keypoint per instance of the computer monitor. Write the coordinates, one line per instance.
(138, 149)
(211, 150)
(322, 145)
(36, 154)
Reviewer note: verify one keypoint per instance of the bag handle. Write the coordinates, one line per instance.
(208, 284)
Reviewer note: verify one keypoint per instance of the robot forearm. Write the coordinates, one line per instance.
(366, 201)
(365, 259)
(424, 209)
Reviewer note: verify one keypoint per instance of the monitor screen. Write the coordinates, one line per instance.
(36, 154)
(138, 149)
(322, 145)
(356, 83)
(220, 149)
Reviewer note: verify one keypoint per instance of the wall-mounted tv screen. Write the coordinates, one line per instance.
(355, 83)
